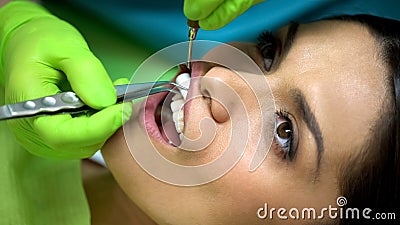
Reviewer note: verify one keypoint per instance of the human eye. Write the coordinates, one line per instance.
(285, 135)
(268, 45)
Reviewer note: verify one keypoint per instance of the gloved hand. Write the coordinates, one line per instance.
(42, 55)
(214, 14)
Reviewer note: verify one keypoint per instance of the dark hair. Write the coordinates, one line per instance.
(375, 184)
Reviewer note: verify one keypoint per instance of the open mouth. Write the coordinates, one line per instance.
(169, 113)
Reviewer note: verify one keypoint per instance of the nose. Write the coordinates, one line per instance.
(225, 79)
(239, 98)
(224, 88)
(244, 101)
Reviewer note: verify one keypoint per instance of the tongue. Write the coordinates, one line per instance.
(169, 133)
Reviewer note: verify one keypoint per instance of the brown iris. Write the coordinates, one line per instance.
(284, 130)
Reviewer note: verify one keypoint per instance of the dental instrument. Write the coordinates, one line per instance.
(193, 28)
(69, 102)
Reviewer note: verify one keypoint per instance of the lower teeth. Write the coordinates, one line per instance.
(178, 101)
(177, 113)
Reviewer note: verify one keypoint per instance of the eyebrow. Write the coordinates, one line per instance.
(308, 117)
(305, 111)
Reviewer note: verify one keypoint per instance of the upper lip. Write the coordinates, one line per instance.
(196, 69)
(195, 77)
(194, 88)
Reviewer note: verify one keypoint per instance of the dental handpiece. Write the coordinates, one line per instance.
(193, 28)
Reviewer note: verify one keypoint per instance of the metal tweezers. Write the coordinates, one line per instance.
(69, 102)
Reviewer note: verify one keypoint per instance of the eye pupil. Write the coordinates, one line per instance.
(284, 130)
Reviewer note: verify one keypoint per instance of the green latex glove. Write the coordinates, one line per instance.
(42, 55)
(214, 14)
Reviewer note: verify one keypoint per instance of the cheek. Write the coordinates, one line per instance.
(119, 160)
(115, 148)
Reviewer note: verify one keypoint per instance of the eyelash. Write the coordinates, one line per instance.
(268, 46)
(286, 149)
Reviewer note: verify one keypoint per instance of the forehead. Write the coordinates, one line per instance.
(341, 45)
(337, 66)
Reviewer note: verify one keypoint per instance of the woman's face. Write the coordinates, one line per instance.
(328, 88)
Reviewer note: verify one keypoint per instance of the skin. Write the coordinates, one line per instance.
(336, 66)
(3, 2)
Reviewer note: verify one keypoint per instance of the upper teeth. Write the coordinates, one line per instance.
(183, 80)
(178, 101)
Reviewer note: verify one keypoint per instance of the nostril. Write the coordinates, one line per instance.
(217, 91)
(218, 111)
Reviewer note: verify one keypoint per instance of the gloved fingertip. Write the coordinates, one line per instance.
(192, 11)
(111, 118)
(105, 102)
(198, 10)
(88, 78)
(121, 81)
(225, 13)
(100, 96)
(207, 24)
(109, 99)
(126, 112)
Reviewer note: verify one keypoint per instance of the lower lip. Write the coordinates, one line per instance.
(147, 116)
